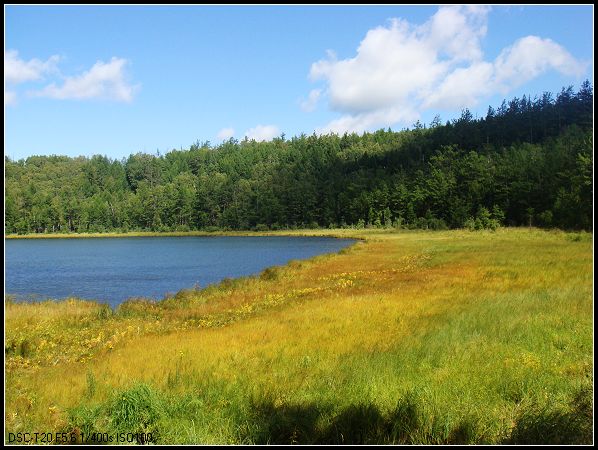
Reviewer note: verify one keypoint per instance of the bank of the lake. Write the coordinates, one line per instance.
(404, 337)
(298, 232)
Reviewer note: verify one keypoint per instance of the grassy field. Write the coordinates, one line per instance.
(405, 337)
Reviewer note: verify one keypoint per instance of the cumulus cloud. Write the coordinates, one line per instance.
(391, 63)
(17, 71)
(529, 57)
(456, 31)
(462, 87)
(361, 122)
(402, 69)
(262, 133)
(225, 134)
(102, 81)
(309, 104)
(526, 59)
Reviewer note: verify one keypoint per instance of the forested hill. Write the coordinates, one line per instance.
(527, 162)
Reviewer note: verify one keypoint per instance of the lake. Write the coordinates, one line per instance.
(113, 269)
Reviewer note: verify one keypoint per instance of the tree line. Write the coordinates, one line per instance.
(527, 162)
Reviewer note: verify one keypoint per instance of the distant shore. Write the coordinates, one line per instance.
(300, 232)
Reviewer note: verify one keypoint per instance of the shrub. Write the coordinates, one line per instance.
(483, 221)
(498, 214)
(545, 218)
(437, 224)
(421, 223)
(398, 223)
(470, 224)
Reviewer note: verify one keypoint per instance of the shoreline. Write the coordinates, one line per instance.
(12, 298)
(304, 232)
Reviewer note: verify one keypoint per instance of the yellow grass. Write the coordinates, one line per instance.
(396, 312)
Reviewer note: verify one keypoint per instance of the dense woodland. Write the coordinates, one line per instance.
(528, 162)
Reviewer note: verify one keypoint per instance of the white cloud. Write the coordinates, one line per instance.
(461, 88)
(18, 71)
(390, 64)
(526, 59)
(102, 81)
(402, 69)
(359, 123)
(456, 31)
(309, 104)
(225, 134)
(529, 57)
(262, 133)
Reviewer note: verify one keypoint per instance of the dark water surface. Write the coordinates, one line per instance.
(114, 269)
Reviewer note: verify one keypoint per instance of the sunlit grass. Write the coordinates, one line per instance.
(406, 337)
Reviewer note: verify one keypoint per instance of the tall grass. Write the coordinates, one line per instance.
(406, 338)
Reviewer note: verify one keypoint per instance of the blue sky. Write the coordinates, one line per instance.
(84, 80)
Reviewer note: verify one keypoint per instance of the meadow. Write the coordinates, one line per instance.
(406, 337)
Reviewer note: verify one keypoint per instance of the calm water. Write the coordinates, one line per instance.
(114, 269)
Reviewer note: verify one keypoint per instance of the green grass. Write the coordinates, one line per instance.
(406, 337)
